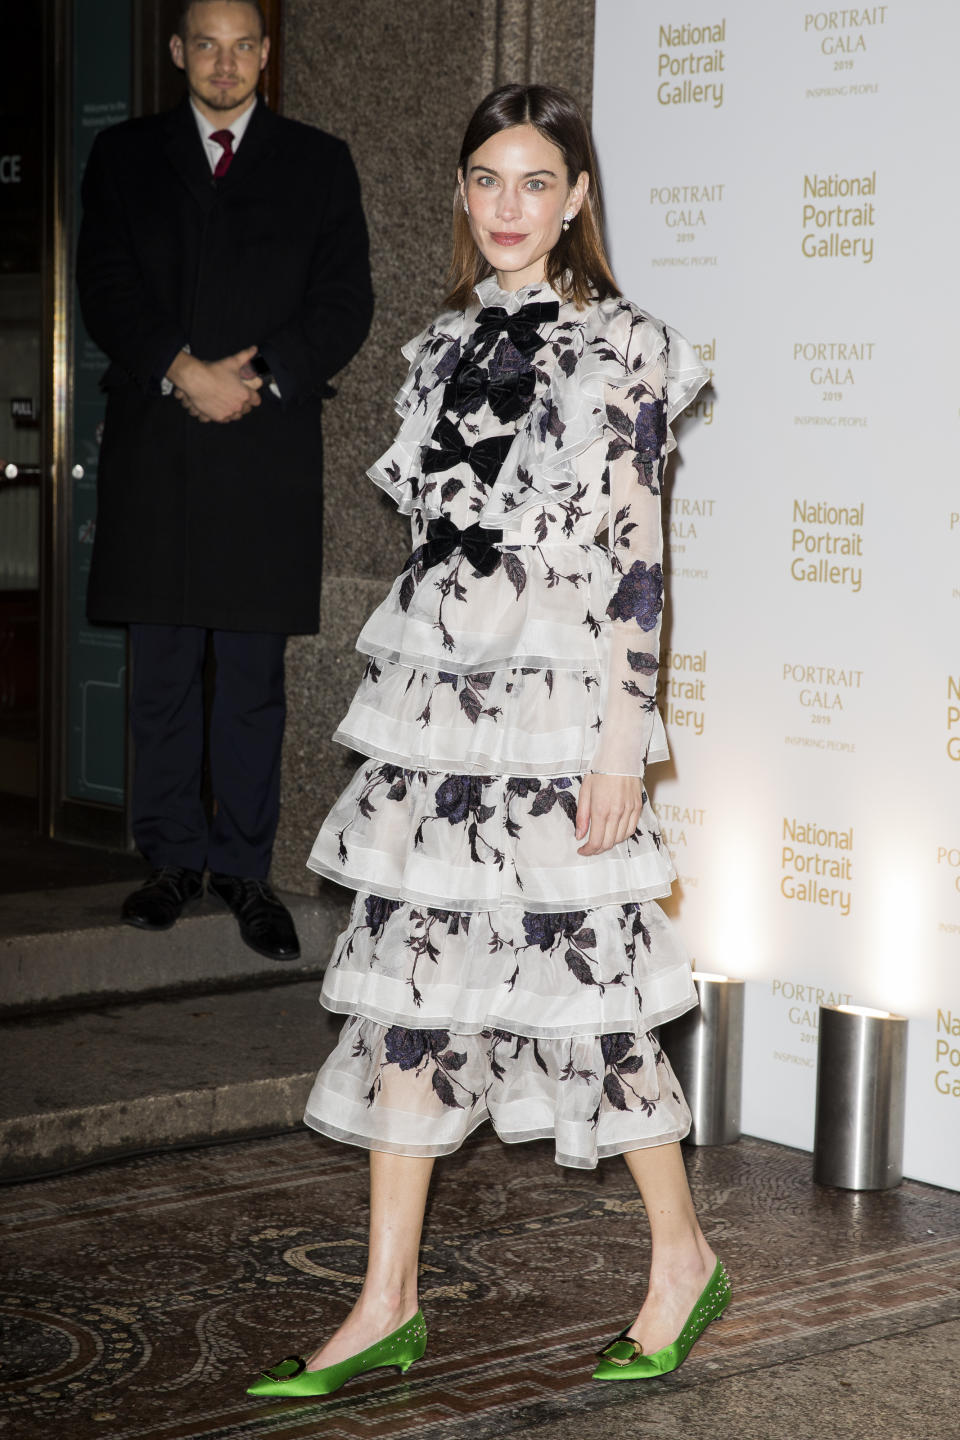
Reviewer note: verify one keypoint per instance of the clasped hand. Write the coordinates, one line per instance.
(217, 390)
(609, 809)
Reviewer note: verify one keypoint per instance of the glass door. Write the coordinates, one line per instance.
(62, 681)
(96, 655)
(21, 323)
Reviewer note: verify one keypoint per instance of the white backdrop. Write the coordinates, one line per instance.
(781, 186)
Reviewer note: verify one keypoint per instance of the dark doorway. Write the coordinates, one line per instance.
(73, 67)
(21, 322)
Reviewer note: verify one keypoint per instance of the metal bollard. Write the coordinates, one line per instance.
(705, 1047)
(861, 1095)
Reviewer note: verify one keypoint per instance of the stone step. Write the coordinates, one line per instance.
(93, 1085)
(69, 949)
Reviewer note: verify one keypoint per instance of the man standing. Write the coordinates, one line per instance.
(223, 269)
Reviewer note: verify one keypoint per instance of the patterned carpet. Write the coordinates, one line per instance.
(137, 1299)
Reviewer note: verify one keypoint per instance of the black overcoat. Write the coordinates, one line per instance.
(209, 524)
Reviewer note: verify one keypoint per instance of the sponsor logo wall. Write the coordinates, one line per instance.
(777, 187)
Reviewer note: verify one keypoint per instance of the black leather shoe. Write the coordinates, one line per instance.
(266, 924)
(159, 901)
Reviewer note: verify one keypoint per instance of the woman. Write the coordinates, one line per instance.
(505, 956)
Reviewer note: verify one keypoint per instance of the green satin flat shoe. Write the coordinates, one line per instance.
(292, 1378)
(623, 1358)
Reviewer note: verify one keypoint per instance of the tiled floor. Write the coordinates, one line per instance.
(137, 1300)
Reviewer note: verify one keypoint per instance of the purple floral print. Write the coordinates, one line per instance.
(639, 596)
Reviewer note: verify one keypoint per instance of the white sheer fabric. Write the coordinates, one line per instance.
(517, 651)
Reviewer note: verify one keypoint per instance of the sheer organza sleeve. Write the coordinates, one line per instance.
(636, 449)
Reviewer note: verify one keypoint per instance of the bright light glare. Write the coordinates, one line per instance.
(865, 1010)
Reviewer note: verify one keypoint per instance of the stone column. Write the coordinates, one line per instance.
(398, 83)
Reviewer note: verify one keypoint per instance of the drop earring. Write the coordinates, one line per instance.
(566, 222)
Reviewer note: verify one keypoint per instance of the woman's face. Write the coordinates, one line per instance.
(516, 194)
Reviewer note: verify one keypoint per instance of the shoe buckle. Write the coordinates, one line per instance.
(621, 1340)
(279, 1379)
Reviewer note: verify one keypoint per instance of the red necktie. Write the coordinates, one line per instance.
(224, 138)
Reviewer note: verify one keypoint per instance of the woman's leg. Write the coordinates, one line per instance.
(682, 1261)
(398, 1198)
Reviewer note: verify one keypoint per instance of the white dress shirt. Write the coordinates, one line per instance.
(236, 127)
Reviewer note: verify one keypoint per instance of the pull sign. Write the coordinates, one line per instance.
(23, 411)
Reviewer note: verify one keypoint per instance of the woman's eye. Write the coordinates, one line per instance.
(537, 185)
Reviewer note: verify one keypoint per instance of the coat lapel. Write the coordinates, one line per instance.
(184, 150)
(257, 145)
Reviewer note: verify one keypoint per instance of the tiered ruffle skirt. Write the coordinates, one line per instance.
(487, 969)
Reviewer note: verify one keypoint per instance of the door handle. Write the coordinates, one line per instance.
(13, 471)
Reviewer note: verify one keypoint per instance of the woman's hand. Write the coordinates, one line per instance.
(609, 809)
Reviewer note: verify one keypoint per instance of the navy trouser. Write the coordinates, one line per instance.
(245, 733)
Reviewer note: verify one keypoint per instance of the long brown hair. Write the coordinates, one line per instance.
(577, 266)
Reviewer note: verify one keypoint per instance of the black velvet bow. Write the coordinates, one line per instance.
(443, 538)
(508, 395)
(521, 327)
(484, 458)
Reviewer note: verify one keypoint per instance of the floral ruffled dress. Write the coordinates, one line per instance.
(488, 970)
